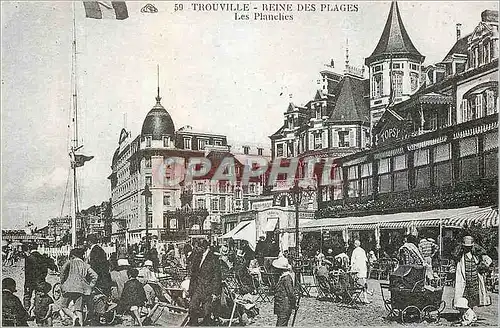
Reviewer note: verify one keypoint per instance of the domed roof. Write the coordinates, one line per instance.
(158, 123)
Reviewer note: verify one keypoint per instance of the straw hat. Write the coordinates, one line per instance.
(468, 241)
(148, 263)
(281, 263)
(123, 262)
(461, 303)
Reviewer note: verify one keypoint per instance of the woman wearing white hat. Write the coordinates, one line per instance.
(284, 296)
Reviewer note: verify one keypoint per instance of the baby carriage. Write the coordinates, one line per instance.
(410, 298)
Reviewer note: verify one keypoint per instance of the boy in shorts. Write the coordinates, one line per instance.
(43, 306)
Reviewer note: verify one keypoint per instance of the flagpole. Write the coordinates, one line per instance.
(74, 148)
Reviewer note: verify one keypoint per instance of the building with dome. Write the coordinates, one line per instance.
(175, 211)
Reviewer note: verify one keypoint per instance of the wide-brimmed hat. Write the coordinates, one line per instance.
(123, 262)
(281, 263)
(468, 241)
(148, 263)
(461, 303)
(9, 284)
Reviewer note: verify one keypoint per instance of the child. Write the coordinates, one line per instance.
(133, 295)
(43, 306)
(284, 296)
(467, 315)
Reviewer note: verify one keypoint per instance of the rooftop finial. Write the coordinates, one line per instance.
(158, 98)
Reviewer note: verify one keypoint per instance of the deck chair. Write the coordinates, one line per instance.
(354, 290)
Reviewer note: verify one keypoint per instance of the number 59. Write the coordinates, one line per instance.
(178, 6)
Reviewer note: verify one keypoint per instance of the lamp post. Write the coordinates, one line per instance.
(297, 193)
(147, 195)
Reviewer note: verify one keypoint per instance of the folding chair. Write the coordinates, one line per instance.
(354, 290)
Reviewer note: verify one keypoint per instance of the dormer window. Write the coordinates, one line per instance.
(260, 151)
(166, 141)
(318, 112)
(187, 143)
(246, 150)
(148, 141)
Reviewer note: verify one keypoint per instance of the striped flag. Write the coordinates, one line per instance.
(106, 9)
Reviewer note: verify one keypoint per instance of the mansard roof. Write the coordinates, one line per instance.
(351, 105)
(394, 40)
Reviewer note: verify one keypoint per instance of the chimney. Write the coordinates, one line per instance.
(459, 31)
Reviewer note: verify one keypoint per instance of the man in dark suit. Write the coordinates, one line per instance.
(205, 285)
(36, 268)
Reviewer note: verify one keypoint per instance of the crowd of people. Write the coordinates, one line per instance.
(129, 279)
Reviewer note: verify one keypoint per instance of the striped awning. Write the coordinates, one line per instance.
(484, 217)
(455, 217)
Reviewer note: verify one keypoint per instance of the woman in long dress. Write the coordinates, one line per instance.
(469, 280)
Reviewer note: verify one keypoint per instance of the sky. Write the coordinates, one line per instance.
(216, 74)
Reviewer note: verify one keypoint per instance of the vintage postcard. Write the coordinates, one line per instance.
(249, 163)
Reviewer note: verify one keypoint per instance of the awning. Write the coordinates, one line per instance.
(248, 233)
(236, 229)
(271, 224)
(406, 219)
(484, 217)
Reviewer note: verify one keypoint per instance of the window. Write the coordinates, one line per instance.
(377, 68)
(260, 151)
(400, 162)
(148, 180)
(397, 83)
(200, 186)
(318, 111)
(214, 204)
(414, 81)
(468, 164)
(377, 86)
(148, 141)
(479, 106)
(442, 153)
(343, 138)
(384, 165)
(166, 141)
(486, 52)
(222, 204)
(251, 188)
(414, 67)
(147, 162)
(317, 140)
(238, 193)
(218, 142)
(421, 157)
(397, 65)
(187, 143)
(200, 203)
(279, 150)
(202, 143)
(167, 199)
(222, 187)
(491, 106)
(246, 150)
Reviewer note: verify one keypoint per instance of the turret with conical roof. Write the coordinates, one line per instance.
(394, 40)
(395, 66)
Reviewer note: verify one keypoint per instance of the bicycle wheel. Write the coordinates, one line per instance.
(56, 291)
